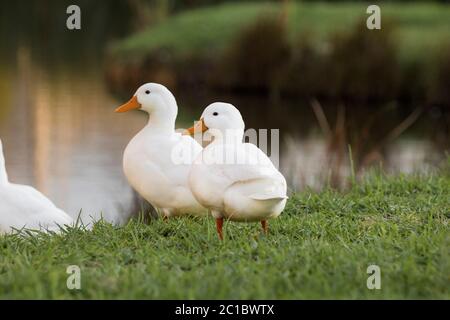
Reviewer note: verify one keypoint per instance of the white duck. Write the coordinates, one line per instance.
(235, 180)
(23, 207)
(157, 160)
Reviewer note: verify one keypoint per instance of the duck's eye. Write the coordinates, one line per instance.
(147, 92)
(215, 114)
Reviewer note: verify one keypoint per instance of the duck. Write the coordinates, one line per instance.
(23, 207)
(234, 180)
(156, 161)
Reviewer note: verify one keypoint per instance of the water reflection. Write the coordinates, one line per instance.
(306, 161)
(61, 135)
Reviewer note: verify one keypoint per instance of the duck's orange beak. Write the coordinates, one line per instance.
(199, 127)
(130, 105)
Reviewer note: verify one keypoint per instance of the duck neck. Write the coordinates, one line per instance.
(3, 174)
(161, 122)
(229, 137)
(160, 125)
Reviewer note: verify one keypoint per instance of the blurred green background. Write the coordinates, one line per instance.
(336, 90)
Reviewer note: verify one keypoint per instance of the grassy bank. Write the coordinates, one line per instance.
(244, 47)
(319, 248)
(421, 27)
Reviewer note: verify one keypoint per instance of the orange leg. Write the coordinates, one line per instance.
(264, 226)
(219, 225)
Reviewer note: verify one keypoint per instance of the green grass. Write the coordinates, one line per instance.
(320, 247)
(421, 26)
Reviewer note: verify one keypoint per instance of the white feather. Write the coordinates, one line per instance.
(233, 179)
(157, 160)
(24, 207)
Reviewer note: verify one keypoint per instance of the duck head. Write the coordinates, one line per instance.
(156, 100)
(221, 120)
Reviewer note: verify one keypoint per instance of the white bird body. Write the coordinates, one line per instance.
(235, 180)
(157, 160)
(251, 191)
(24, 207)
(150, 171)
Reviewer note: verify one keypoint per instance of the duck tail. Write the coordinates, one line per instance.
(3, 174)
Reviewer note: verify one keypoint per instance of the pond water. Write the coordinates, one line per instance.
(60, 133)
